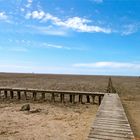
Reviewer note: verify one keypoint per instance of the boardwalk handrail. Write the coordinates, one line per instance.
(52, 91)
(62, 93)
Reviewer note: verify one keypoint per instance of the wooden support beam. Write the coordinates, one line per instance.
(53, 97)
(34, 96)
(93, 99)
(11, 94)
(73, 98)
(18, 95)
(5, 94)
(43, 96)
(25, 94)
(70, 98)
(100, 99)
(62, 98)
(80, 98)
(88, 98)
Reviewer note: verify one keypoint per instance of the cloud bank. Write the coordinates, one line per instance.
(111, 65)
(76, 23)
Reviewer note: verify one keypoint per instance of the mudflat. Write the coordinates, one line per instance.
(128, 89)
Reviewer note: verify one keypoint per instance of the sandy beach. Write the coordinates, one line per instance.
(53, 122)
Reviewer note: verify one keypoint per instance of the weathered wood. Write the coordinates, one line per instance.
(93, 99)
(81, 98)
(88, 99)
(43, 95)
(53, 91)
(25, 94)
(5, 94)
(11, 94)
(70, 98)
(18, 95)
(100, 99)
(62, 98)
(34, 96)
(73, 98)
(53, 97)
(72, 94)
(111, 122)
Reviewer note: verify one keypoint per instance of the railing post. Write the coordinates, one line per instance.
(11, 94)
(80, 98)
(88, 99)
(43, 95)
(70, 98)
(73, 98)
(62, 98)
(100, 99)
(25, 94)
(53, 97)
(18, 94)
(93, 99)
(34, 95)
(5, 94)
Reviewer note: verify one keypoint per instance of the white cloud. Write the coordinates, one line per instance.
(29, 3)
(48, 30)
(81, 25)
(112, 65)
(38, 15)
(36, 67)
(47, 45)
(130, 29)
(76, 23)
(3, 16)
(25, 45)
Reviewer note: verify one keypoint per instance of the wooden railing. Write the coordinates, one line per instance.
(10, 92)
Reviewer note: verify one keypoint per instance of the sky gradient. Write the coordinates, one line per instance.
(97, 37)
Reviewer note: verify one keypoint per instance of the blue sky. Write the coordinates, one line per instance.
(99, 37)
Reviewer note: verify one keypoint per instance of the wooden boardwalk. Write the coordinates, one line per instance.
(6, 92)
(111, 122)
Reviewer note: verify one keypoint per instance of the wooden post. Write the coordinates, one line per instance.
(43, 95)
(5, 94)
(25, 94)
(73, 98)
(70, 98)
(110, 87)
(18, 94)
(100, 98)
(62, 98)
(11, 94)
(93, 99)
(53, 97)
(88, 99)
(80, 98)
(34, 95)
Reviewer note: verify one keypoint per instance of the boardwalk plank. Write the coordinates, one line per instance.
(111, 122)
